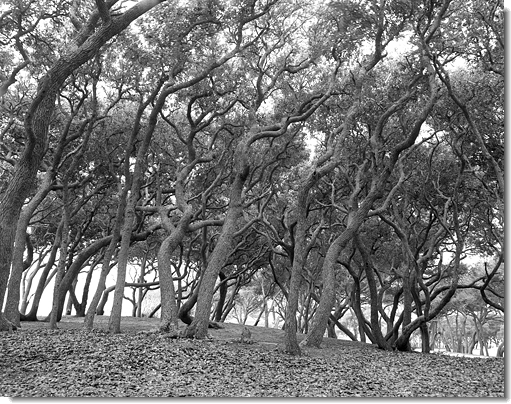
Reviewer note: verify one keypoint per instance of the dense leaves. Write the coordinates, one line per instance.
(337, 166)
(72, 363)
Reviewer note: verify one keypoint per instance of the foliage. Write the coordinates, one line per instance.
(271, 127)
(72, 363)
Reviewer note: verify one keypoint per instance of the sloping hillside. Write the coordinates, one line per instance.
(141, 363)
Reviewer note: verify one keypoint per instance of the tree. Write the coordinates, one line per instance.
(271, 149)
(240, 43)
(243, 165)
(375, 170)
(480, 135)
(91, 35)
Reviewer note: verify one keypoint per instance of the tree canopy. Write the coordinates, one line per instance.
(338, 165)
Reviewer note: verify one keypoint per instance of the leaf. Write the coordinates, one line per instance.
(35, 362)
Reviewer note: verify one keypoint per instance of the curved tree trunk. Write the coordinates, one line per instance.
(355, 220)
(64, 245)
(158, 99)
(402, 341)
(373, 294)
(37, 120)
(81, 310)
(27, 280)
(100, 311)
(184, 310)
(176, 234)
(18, 265)
(500, 350)
(355, 299)
(169, 312)
(407, 303)
(74, 270)
(11, 310)
(327, 300)
(217, 260)
(116, 230)
(472, 343)
(221, 297)
(22, 182)
(69, 304)
(32, 314)
(290, 323)
(114, 324)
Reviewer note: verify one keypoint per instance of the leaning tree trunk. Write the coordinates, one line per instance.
(32, 314)
(18, 265)
(355, 220)
(116, 231)
(221, 298)
(100, 310)
(407, 302)
(327, 300)
(176, 234)
(69, 304)
(140, 163)
(169, 311)
(500, 350)
(22, 182)
(373, 293)
(11, 309)
(37, 120)
(186, 307)
(290, 323)
(61, 266)
(74, 269)
(402, 342)
(219, 256)
(114, 324)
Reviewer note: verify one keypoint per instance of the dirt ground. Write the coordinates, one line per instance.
(143, 362)
(263, 338)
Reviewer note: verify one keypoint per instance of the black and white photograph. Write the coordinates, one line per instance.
(252, 199)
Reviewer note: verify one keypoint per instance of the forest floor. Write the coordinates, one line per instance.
(141, 362)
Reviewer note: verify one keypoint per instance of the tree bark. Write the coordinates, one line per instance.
(18, 265)
(218, 258)
(37, 121)
(500, 350)
(184, 310)
(74, 270)
(22, 182)
(290, 323)
(69, 304)
(64, 245)
(373, 294)
(32, 314)
(221, 297)
(11, 310)
(357, 309)
(169, 311)
(100, 311)
(114, 324)
(407, 301)
(315, 337)
(119, 218)
(359, 213)
(141, 293)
